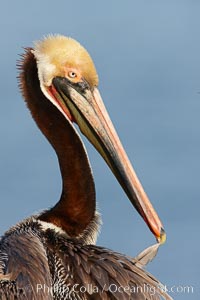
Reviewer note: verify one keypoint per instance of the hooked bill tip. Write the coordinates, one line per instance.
(162, 238)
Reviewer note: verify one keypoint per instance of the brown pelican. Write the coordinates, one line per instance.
(53, 255)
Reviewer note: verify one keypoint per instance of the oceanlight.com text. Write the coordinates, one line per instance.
(113, 288)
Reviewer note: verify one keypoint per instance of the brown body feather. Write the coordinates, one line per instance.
(42, 264)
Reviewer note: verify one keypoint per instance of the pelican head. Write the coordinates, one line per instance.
(69, 80)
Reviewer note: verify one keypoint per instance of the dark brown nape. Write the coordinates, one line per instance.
(76, 207)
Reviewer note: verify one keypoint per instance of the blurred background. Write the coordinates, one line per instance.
(147, 54)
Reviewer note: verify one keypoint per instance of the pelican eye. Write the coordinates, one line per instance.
(72, 74)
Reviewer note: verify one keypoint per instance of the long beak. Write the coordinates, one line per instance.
(86, 108)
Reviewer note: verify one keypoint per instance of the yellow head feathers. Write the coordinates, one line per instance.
(55, 53)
